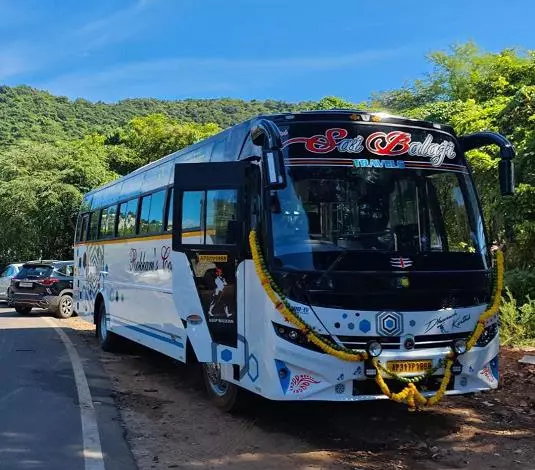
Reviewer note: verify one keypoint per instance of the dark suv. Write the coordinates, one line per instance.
(44, 284)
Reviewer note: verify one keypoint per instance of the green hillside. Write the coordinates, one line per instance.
(27, 113)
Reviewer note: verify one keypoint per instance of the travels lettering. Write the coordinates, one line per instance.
(393, 143)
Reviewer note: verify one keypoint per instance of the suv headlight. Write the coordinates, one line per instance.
(489, 333)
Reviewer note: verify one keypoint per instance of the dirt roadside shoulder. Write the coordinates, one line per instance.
(170, 424)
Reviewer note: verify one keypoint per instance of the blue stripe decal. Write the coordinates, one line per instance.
(150, 333)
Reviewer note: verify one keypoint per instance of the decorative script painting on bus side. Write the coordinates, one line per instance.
(393, 143)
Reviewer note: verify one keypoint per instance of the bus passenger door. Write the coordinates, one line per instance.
(208, 245)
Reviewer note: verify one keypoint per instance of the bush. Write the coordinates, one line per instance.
(521, 283)
(517, 324)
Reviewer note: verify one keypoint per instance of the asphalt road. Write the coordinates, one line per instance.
(56, 402)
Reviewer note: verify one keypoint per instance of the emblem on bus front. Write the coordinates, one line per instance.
(401, 262)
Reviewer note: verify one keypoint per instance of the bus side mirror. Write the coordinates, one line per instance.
(265, 134)
(507, 153)
(507, 179)
(274, 171)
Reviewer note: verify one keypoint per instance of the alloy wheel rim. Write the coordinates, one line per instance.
(218, 385)
(66, 306)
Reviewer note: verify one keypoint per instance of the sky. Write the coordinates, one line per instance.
(293, 50)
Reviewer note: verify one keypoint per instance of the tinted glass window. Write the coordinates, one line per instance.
(192, 210)
(127, 218)
(169, 224)
(93, 225)
(221, 216)
(30, 272)
(65, 270)
(9, 271)
(107, 222)
(77, 236)
(85, 223)
(151, 220)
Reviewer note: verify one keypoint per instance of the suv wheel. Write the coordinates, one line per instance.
(10, 301)
(65, 307)
(22, 309)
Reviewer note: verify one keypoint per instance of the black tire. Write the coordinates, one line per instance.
(10, 302)
(108, 341)
(65, 307)
(23, 309)
(226, 396)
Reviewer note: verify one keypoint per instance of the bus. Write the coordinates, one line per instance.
(323, 255)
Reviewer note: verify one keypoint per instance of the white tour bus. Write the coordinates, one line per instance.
(367, 227)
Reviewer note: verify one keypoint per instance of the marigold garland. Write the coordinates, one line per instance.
(410, 394)
(277, 297)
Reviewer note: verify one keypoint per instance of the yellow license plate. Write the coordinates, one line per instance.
(409, 367)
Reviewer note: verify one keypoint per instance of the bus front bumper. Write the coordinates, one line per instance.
(331, 379)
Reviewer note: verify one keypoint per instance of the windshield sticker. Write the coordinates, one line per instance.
(393, 143)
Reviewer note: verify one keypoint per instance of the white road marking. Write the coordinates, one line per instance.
(93, 458)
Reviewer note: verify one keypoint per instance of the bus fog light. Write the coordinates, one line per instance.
(283, 373)
(374, 348)
(293, 334)
(459, 346)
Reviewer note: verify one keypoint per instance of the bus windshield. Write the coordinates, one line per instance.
(326, 210)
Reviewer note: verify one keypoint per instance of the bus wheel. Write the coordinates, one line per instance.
(108, 341)
(223, 394)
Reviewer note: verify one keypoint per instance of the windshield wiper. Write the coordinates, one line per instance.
(333, 265)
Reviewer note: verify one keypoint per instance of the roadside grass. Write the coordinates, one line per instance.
(517, 322)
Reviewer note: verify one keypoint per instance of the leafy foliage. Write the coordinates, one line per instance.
(52, 149)
(517, 321)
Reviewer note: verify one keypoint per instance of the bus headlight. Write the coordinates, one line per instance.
(459, 346)
(374, 348)
(294, 336)
(489, 333)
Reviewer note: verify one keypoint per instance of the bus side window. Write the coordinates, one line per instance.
(107, 222)
(127, 218)
(192, 216)
(77, 235)
(221, 208)
(93, 225)
(144, 217)
(169, 217)
(155, 221)
(81, 228)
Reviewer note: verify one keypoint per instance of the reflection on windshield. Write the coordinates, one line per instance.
(329, 209)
